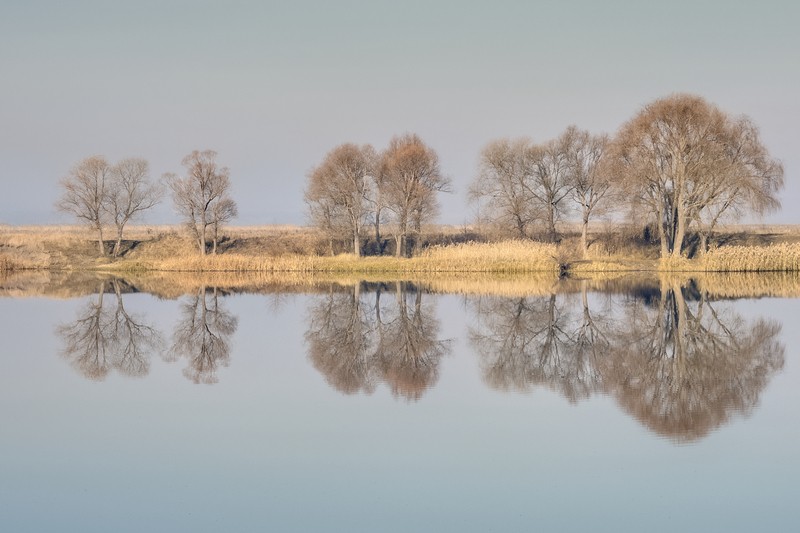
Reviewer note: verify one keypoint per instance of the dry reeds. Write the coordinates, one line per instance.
(782, 257)
(505, 257)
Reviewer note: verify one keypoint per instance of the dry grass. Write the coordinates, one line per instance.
(507, 257)
(782, 257)
(268, 249)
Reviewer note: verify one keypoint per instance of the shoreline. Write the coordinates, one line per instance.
(284, 249)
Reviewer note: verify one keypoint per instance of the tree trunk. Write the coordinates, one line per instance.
(662, 234)
(584, 245)
(399, 251)
(118, 244)
(551, 224)
(100, 241)
(378, 230)
(680, 231)
(356, 244)
(202, 243)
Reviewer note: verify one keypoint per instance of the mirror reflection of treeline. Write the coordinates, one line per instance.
(105, 337)
(373, 333)
(679, 362)
(677, 357)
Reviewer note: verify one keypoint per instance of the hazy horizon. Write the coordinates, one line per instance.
(273, 87)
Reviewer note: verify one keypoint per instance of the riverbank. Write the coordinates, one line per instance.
(289, 249)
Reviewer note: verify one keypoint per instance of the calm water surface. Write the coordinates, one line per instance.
(385, 407)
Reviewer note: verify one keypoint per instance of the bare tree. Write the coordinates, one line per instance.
(684, 160)
(521, 183)
(129, 192)
(84, 194)
(338, 192)
(550, 184)
(410, 179)
(198, 195)
(222, 212)
(501, 188)
(590, 186)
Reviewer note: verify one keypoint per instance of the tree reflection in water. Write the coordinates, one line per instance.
(202, 336)
(106, 337)
(679, 363)
(356, 343)
(538, 341)
(682, 367)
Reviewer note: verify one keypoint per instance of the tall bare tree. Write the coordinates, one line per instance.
(501, 187)
(410, 179)
(338, 192)
(84, 194)
(129, 192)
(550, 184)
(684, 160)
(590, 185)
(198, 195)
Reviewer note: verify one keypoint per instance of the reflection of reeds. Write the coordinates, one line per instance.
(174, 284)
(750, 284)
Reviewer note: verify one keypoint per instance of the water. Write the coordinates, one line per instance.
(386, 407)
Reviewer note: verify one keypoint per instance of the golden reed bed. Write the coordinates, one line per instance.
(291, 249)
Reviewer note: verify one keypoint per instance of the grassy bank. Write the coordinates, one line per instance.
(288, 249)
(505, 257)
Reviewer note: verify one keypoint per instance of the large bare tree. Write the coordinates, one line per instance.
(550, 184)
(590, 184)
(129, 193)
(410, 179)
(84, 194)
(338, 194)
(501, 188)
(202, 196)
(684, 161)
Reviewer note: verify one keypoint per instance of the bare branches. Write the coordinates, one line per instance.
(129, 193)
(339, 192)
(84, 194)
(504, 170)
(410, 179)
(688, 163)
(99, 193)
(202, 196)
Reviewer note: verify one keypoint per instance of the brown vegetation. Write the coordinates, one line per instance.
(443, 249)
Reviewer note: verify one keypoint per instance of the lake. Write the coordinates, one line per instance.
(622, 405)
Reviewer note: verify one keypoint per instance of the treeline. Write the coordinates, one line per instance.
(680, 165)
(101, 194)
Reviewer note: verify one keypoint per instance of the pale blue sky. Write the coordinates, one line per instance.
(272, 87)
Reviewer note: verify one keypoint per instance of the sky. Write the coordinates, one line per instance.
(273, 86)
